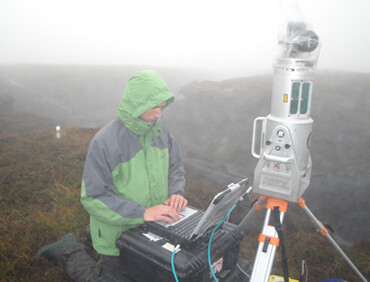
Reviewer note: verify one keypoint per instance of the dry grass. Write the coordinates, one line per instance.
(40, 178)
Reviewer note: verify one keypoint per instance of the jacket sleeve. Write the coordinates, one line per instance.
(97, 191)
(176, 172)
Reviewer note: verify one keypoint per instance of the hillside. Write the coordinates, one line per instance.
(220, 114)
(77, 95)
(40, 179)
(24, 122)
(212, 121)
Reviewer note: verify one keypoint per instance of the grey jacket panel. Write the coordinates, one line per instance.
(112, 145)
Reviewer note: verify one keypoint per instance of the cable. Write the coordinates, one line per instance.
(242, 271)
(210, 241)
(304, 271)
(173, 262)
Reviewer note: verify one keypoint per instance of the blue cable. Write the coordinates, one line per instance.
(173, 265)
(209, 249)
(210, 241)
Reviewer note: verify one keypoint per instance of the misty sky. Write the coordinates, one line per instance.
(230, 36)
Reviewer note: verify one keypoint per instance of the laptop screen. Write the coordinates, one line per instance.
(220, 206)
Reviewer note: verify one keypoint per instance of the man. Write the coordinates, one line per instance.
(133, 173)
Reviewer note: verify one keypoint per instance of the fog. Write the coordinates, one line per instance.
(231, 38)
(198, 40)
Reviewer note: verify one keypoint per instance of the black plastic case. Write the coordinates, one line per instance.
(145, 260)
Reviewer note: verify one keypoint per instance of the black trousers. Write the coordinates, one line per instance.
(80, 266)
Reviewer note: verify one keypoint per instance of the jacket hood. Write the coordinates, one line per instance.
(144, 90)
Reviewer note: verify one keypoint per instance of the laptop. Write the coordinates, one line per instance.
(194, 224)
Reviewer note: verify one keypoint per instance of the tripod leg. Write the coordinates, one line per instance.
(268, 241)
(321, 228)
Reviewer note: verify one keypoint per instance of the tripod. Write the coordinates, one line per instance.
(270, 237)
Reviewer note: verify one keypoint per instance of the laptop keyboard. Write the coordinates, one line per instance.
(185, 228)
(179, 233)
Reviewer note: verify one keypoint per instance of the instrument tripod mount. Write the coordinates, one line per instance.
(271, 236)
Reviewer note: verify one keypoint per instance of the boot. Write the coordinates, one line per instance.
(52, 251)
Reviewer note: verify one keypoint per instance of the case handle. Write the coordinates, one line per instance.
(262, 141)
(277, 158)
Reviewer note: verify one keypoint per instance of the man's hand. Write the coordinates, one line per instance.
(161, 212)
(178, 202)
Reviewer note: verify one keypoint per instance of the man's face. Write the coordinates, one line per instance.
(154, 113)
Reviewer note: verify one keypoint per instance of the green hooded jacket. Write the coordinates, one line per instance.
(131, 164)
